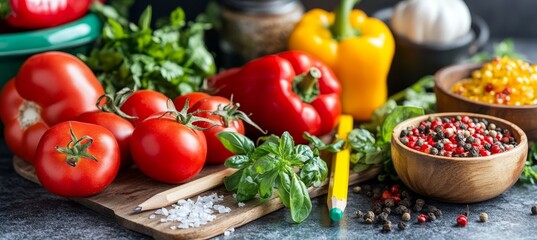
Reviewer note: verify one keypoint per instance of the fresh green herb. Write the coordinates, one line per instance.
(370, 149)
(171, 59)
(316, 142)
(276, 163)
(419, 94)
(529, 174)
(505, 48)
(5, 8)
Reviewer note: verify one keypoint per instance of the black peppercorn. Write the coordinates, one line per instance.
(534, 210)
(387, 210)
(487, 146)
(387, 226)
(399, 210)
(434, 151)
(366, 187)
(431, 208)
(470, 139)
(438, 128)
(370, 215)
(404, 140)
(438, 213)
(359, 214)
(431, 216)
(401, 226)
(405, 202)
(484, 121)
(417, 208)
(382, 217)
(440, 135)
(459, 137)
(421, 129)
(404, 133)
(467, 146)
(369, 194)
(475, 120)
(389, 202)
(420, 202)
(464, 126)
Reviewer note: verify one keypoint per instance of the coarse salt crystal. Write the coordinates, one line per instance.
(193, 213)
(152, 216)
(241, 204)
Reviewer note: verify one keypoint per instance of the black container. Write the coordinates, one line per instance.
(413, 61)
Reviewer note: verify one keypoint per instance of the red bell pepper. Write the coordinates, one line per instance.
(281, 94)
(38, 14)
(50, 88)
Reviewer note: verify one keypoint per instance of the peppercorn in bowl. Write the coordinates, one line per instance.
(505, 88)
(458, 157)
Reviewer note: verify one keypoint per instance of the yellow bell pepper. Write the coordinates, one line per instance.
(359, 50)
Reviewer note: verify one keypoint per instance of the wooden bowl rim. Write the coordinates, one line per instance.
(521, 143)
(440, 75)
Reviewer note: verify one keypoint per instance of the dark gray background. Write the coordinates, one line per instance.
(506, 18)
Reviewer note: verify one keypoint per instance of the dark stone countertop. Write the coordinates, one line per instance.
(27, 211)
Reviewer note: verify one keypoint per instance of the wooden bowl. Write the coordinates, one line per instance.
(459, 180)
(447, 101)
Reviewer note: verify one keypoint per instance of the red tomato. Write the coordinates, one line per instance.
(50, 88)
(144, 103)
(166, 150)
(192, 97)
(23, 126)
(61, 84)
(73, 175)
(121, 129)
(216, 152)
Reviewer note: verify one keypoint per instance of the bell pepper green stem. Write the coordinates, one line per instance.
(342, 29)
(307, 84)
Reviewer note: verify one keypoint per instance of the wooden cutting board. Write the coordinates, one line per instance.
(131, 188)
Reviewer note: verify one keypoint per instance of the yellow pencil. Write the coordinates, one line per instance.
(339, 175)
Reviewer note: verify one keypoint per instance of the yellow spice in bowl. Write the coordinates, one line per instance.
(503, 80)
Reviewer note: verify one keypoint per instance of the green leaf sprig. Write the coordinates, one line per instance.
(171, 59)
(277, 163)
(369, 149)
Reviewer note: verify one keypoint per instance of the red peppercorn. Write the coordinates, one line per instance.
(489, 139)
(462, 220)
(448, 147)
(465, 119)
(459, 150)
(506, 91)
(385, 195)
(422, 218)
(489, 87)
(395, 189)
(396, 199)
(495, 149)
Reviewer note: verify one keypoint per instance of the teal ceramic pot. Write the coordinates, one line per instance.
(75, 37)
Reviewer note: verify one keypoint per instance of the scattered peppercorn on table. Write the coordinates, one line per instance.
(28, 211)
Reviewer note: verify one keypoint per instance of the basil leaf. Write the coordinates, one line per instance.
(398, 114)
(300, 201)
(264, 164)
(247, 188)
(266, 185)
(237, 161)
(177, 18)
(236, 143)
(314, 172)
(313, 140)
(232, 182)
(360, 167)
(286, 144)
(265, 149)
(360, 139)
(284, 188)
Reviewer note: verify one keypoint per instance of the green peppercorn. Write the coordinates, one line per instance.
(405, 217)
(483, 217)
